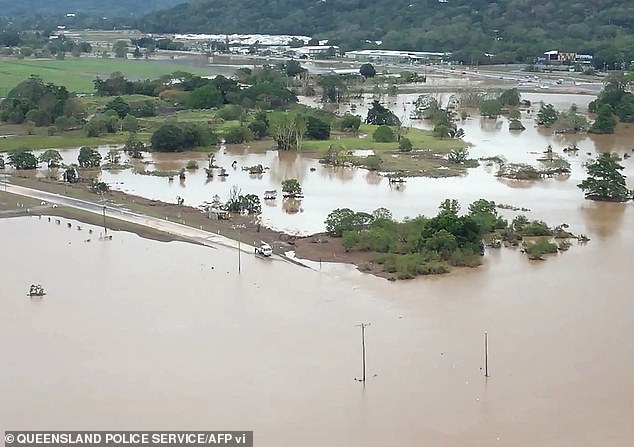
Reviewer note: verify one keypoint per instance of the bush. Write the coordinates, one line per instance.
(168, 138)
(238, 135)
(191, 164)
(231, 112)
(405, 144)
(317, 129)
(350, 123)
(384, 134)
(259, 128)
(372, 162)
(536, 250)
(52, 130)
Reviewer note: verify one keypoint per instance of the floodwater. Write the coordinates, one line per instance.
(140, 334)
(135, 333)
(327, 188)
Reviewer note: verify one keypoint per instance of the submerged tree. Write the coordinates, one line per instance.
(23, 159)
(291, 188)
(547, 115)
(605, 181)
(379, 115)
(51, 157)
(89, 158)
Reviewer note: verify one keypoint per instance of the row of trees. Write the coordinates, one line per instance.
(195, 92)
(25, 159)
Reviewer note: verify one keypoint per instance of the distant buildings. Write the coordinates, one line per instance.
(312, 51)
(395, 57)
(556, 57)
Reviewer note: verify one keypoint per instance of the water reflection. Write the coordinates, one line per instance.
(602, 218)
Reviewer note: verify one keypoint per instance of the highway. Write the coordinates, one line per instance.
(186, 232)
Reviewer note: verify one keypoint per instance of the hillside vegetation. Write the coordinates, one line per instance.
(12, 9)
(514, 30)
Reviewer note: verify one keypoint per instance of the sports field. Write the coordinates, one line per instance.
(77, 74)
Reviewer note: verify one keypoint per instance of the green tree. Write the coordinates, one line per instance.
(350, 123)
(71, 175)
(293, 68)
(344, 219)
(291, 188)
(88, 157)
(238, 135)
(491, 108)
(133, 146)
(367, 71)
(120, 49)
(441, 130)
(547, 115)
(205, 97)
(384, 134)
(510, 97)
(317, 129)
(51, 157)
(405, 144)
(288, 130)
(605, 122)
(259, 129)
(137, 53)
(121, 107)
(379, 115)
(22, 159)
(605, 181)
(130, 123)
(168, 138)
(458, 155)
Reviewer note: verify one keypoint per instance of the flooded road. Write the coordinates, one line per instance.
(135, 333)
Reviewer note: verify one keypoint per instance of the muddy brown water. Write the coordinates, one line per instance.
(140, 334)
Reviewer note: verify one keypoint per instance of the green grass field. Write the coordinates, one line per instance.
(421, 139)
(77, 74)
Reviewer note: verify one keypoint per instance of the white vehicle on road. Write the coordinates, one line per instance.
(264, 249)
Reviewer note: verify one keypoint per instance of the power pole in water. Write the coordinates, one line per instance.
(486, 354)
(105, 228)
(363, 326)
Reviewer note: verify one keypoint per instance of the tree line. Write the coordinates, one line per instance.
(511, 30)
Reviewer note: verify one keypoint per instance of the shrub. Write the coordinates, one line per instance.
(317, 129)
(405, 144)
(192, 164)
(238, 135)
(384, 134)
(231, 112)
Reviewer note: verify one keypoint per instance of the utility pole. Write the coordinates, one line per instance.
(237, 227)
(486, 354)
(105, 228)
(363, 326)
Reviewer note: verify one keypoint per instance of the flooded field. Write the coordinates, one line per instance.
(556, 200)
(135, 333)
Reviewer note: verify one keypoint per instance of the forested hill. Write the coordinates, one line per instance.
(25, 10)
(516, 29)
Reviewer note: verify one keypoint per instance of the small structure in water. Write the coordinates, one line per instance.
(270, 194)
(36, 290)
